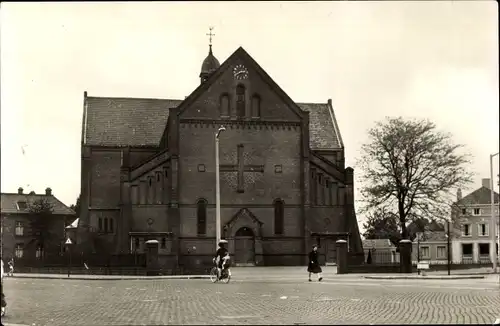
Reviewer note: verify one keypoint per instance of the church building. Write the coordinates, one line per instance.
(149, 172)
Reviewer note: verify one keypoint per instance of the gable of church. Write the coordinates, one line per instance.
(140, 122)
(240, 89)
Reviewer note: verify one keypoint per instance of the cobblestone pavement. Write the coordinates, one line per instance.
(348, 300)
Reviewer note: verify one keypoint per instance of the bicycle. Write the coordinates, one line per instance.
(225, 276)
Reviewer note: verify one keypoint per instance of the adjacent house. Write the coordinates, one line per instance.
(472, 231)
(381, 251)
(431, 247)
(22, 230)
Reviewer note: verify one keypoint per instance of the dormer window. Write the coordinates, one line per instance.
(22, 205)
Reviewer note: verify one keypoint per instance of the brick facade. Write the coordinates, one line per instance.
(151, 187)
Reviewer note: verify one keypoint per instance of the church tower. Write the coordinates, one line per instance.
(210, 64)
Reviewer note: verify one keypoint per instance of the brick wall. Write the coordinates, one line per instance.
(141, 214)
(268, 147)
(323, 219)
(272, 106)
(105, 178)
(138, 155)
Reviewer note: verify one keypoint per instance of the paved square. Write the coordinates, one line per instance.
(285, 300)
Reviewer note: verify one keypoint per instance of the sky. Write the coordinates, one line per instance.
(432, 59)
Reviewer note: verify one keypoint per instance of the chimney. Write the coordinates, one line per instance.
(486, 183)
(20, 190)
(48, 192)
(330, 101)
(459, 194)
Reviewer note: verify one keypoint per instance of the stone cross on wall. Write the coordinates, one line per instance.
(241, 168)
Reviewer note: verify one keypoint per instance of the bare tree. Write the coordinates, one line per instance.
(411, 168)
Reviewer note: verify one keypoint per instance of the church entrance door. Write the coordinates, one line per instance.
(330, 251)
(244, 247)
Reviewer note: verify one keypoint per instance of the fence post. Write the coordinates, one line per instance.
(405, 256)
(342, 267)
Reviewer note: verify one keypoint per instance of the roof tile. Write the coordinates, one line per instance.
(126, 121)
(9, 203)
(321, 128)
(377, 243)
(479, 196)
(141, 122)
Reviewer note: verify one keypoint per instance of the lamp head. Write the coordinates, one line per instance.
(221, 129)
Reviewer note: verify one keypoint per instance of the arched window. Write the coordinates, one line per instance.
(224, 105)
(279, 216)
(201, 215)
(313, 187)
(255, 106)
(111, 225)
(105, 225)
(240, 101)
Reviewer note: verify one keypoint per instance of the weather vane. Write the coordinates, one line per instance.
(210, 35)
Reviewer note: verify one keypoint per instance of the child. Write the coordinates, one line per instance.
(11, 267)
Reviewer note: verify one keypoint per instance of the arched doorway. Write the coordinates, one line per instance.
(244, 246)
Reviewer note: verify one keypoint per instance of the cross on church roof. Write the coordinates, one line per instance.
(210, 35)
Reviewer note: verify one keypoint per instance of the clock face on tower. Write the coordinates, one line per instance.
(240, 72)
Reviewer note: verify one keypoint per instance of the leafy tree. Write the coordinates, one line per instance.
(382, 225)
(76, 206)
(42, 222)
(411, 168)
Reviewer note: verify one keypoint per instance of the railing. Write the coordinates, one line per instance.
(381, 257)
(91, 260)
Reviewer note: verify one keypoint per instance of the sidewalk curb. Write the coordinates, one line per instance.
(456, 277)
(114, 278)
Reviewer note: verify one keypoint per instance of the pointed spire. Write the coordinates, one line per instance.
(210, 64)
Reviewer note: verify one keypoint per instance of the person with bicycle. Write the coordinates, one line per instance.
(221, 258)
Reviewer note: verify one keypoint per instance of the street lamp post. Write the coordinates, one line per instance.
(217, 188)
(493, 219)
(448, 247)
(68, 244)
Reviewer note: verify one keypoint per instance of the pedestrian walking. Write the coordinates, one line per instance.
(3, 303)
(314, 267)
(11, 267)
